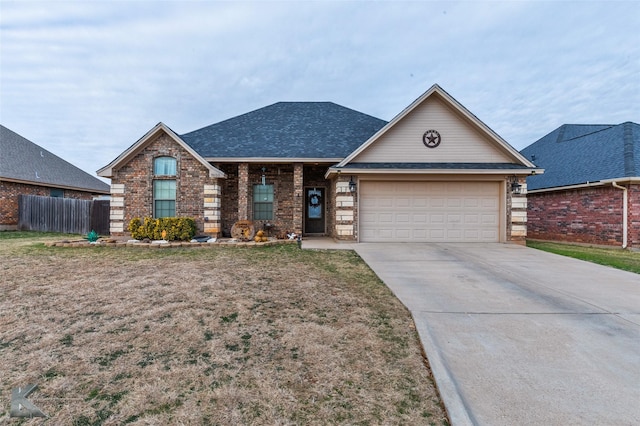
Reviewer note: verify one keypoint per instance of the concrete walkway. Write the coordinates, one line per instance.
(519, 336)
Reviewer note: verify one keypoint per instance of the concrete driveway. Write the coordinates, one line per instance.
(516, 336)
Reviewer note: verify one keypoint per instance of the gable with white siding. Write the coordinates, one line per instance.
(461, 142)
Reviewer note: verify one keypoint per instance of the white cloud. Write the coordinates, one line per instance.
(87, 79)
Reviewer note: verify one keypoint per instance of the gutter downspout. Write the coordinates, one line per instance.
(624, 213)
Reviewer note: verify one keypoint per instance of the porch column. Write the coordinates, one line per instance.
(243, 191)
(517, 231)
(212, 208)
(298, 197)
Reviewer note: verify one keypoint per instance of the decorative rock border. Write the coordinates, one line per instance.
(174, 244)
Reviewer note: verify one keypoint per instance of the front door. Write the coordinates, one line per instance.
(314, 211)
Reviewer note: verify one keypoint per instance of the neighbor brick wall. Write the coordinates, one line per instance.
(588, 215)
(633, 237)
(9, 192)
(137, 178)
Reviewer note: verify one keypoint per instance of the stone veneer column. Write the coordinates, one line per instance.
(116, 209)
(243, 191)
(298, 196)
(212, 209)
(519, 212)
(345, 206)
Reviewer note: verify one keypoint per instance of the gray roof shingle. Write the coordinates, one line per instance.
(314, 130)
(23, 160)
(575, 154)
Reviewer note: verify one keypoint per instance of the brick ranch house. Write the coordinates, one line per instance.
(434, 173)
(590, 192)
(28, 169)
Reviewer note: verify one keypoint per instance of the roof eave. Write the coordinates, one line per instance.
(280, 160)
(629, 180)
(356, 171)
(57, 185)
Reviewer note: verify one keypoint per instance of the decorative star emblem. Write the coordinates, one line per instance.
(431, 138)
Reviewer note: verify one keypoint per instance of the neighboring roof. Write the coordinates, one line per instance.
(291, 130)
(25, 162)
(575, 154)
(436, 90)
(150, 136)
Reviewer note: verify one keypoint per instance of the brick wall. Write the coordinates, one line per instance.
(288, 182)
(587, 215)
(633, 224)
(9, 192)
(136, 180)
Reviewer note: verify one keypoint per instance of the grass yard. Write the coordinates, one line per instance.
(616, 258)
(201, 336)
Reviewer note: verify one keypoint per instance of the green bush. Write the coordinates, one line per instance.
(177, 228)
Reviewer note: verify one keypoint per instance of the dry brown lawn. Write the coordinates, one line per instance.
(211, 336)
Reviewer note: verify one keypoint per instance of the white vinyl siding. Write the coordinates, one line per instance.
(461, 141)
(429, 211)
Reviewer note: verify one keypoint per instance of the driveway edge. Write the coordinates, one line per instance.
(447, 387)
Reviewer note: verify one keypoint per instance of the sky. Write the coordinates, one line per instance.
(86, 79)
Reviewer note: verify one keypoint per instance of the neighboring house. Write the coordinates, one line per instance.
(590, 192)
(435, 173)
(26, 168)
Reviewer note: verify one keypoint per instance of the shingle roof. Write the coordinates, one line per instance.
(574, 154)
(23, 160)
(313, 130)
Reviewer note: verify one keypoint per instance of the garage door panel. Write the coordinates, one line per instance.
(420, 218)
(471, 219)
(402, 220)
(489, 219)
(420, 202)
(429, 211)
(436, 219)
(490, 203)
(419, 233)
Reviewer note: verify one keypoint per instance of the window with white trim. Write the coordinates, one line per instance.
(262, 202)
(164, 190)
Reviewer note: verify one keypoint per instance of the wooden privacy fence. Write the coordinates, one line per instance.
(68, 215)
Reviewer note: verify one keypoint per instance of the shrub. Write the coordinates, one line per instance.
(177, 228)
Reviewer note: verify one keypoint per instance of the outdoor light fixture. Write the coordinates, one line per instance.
(352, 185)
(264, 180)
(516, 188)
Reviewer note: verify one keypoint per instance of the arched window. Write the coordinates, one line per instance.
(164, 190)
(164, 166)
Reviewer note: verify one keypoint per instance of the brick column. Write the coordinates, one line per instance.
(116, 210)
(243, 191)
(212, 209)
(345, 208)
(298, 197)
(518, 228)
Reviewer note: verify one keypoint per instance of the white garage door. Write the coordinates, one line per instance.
(429, 211)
